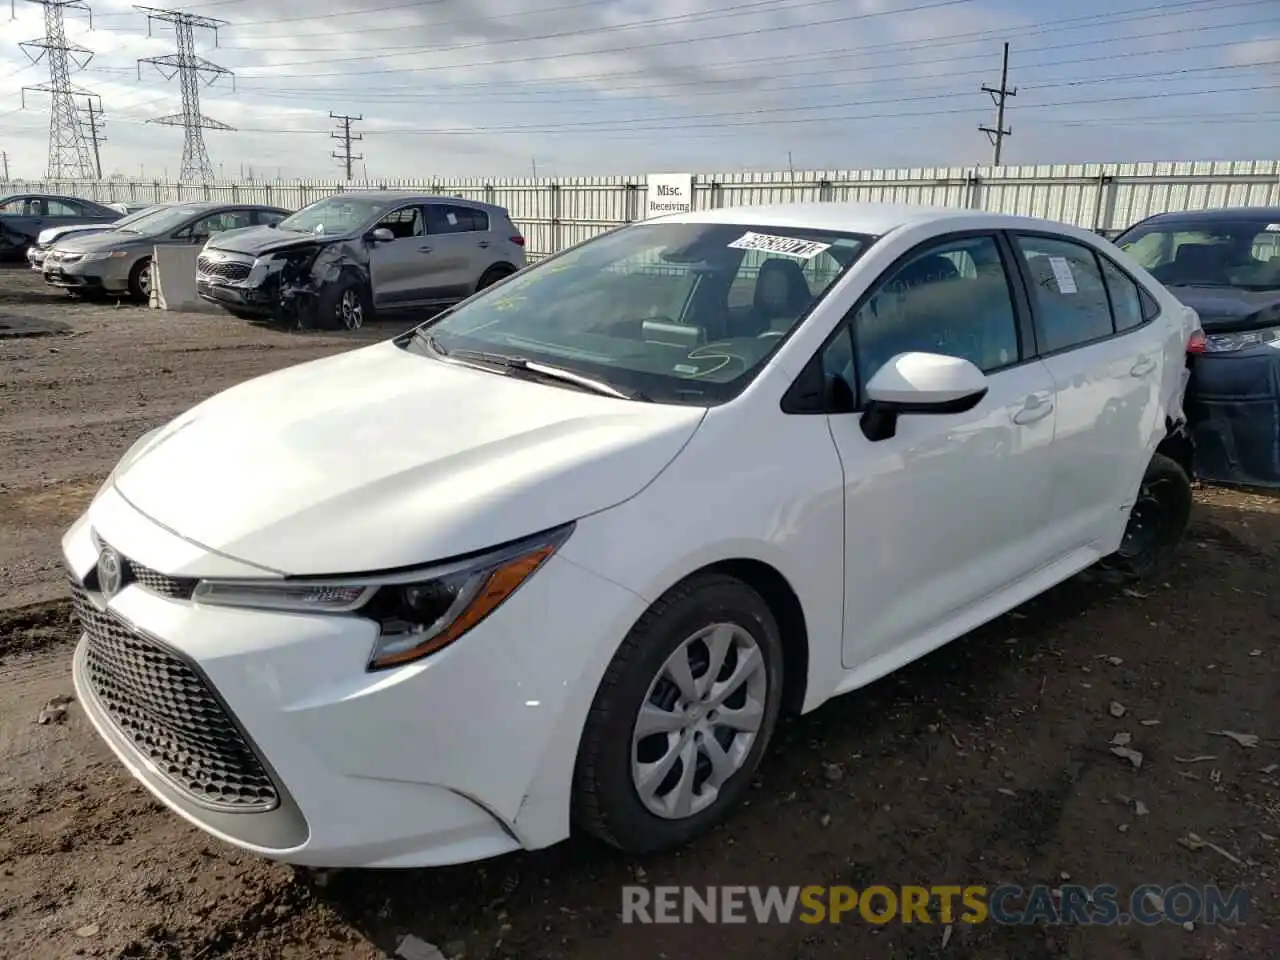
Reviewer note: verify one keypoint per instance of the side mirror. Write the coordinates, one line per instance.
(382, 235)
(920, 383)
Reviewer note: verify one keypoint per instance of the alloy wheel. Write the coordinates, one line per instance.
(351, 310)
(698, 721)
(1147, 520)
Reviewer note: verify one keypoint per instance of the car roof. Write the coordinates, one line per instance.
(404, 196)
(1261, 214)
(869, 218)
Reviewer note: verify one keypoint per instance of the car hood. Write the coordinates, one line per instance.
(1226, 310)
(379, 458)
(256, 241)
(53, 234)
(110, 239)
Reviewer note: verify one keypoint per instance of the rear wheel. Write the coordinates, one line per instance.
(682, 717)
(493, 275)
(1157, 522)
(140, 280)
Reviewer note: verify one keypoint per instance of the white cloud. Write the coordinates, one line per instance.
(493, 87)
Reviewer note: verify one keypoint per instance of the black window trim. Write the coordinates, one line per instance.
(794, 399)
(1098, 255)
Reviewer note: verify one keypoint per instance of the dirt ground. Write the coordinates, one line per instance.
(988, 762)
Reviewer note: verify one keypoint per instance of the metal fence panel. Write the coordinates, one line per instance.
(554, 213)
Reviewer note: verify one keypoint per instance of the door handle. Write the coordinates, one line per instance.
(1142, 367)
(483, 243)
(1034, 410)
(424, 249)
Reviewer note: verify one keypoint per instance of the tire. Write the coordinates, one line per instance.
(347, 305)
(1156, 524)
(493, 275)
(607, 802)
(140, 280)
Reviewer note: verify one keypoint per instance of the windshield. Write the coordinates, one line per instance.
(1244, 254)
(135, 216)
(333, 215)
(160, 220)
(678, 312)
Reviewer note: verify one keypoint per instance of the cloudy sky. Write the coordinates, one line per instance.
(575, 87)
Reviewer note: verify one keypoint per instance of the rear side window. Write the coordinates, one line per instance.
(1126, 299)
(1070, 297)
(450, 218)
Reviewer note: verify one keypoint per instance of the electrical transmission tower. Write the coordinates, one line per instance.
(70, 155)
(190, 68)
(347, 138)
(997, 134)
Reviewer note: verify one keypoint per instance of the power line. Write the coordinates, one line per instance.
(346, 136)
(69, 155)
(997, 134)
(190, 68)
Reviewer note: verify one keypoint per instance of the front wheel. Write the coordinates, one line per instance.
(140, 281)
(1157, 522)
(346, 306)
(682, 718)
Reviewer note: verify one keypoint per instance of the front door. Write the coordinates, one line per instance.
(947, 512)
(399, 267)
(1108, 366)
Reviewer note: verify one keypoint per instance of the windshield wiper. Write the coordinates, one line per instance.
(523, 364)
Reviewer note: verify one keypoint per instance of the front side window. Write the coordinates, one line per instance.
(404, 223)
(1244, 254)
(951, 297)
(1070, 299)
(681, 312)
(221, 222)
(66, 208)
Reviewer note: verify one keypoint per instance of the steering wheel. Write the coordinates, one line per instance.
(770, 333)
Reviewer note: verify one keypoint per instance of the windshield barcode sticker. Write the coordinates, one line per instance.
(787, 246)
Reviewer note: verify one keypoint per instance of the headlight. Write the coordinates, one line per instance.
(104, 255)
(418, 612)
(1231, 342)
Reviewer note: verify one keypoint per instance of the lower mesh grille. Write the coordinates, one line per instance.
(168, 712)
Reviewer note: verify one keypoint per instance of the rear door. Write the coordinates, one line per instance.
(1108, 365)
(460, 252)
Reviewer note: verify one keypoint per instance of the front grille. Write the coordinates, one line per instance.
(168, 711)
(223, 269)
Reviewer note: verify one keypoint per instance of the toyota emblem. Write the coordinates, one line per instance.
(110, 572)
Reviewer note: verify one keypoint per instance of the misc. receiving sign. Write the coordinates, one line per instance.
(668, 193)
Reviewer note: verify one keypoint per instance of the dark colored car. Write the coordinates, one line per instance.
(1225, 264)
(332, 263)
(24, 215)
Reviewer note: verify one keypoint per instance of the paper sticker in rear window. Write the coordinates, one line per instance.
(787, 246)
(1273, 228)
(1062, 273)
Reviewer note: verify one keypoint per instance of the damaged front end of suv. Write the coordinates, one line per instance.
(300, 284)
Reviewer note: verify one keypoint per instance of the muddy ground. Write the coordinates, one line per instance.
(989, 762)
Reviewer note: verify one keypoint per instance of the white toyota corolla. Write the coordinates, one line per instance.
(561, 555)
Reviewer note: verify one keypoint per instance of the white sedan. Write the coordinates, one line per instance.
(559, 557)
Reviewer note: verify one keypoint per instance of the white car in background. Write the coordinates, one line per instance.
(561, 555)
(47, 239)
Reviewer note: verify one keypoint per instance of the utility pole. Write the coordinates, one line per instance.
(347, 138)
(190, 68)
(69, 155)
(997, 135)
(95, 137)
(4, 157)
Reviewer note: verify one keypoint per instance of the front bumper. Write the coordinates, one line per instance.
(463, 756)
(240, 297)
(105, 276)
